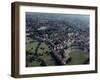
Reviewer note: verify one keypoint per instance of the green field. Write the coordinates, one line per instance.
(42, 53)
(78, 57)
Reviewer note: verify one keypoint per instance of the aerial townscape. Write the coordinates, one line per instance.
(55, 39)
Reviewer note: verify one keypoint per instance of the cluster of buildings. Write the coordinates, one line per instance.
(59, 35)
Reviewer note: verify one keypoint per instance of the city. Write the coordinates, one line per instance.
(56, 39)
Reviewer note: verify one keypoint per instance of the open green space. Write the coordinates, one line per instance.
(42, 53)
(78, 57)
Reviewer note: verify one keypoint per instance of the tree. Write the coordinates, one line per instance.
(66, 47)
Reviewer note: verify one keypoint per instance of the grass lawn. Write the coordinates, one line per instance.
(47, 58)
(31, 46)
(43, 48)
(34, 63)
(78, 57)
